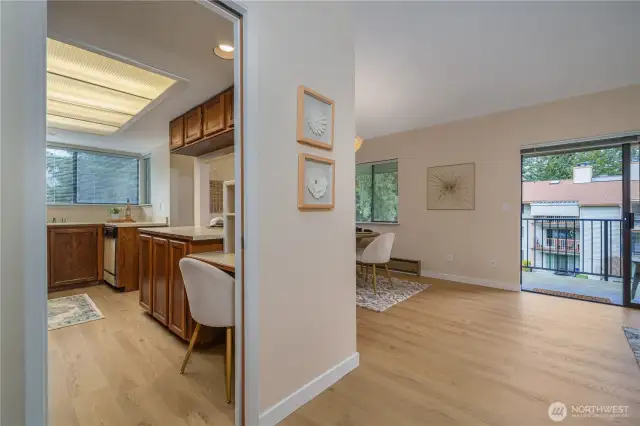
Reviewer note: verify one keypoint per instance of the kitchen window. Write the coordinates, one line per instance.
(77, 176)
(377, 192)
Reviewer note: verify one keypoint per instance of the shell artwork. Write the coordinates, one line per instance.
(317, 122)
(317, 184)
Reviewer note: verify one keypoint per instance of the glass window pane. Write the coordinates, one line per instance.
(59, 176)
(385, 192)
(364, 190)
(106, 179)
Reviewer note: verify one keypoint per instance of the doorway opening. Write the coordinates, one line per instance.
(124, 364)
(578, 235)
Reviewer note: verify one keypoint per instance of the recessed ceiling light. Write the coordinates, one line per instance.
(224, 51)
(88, 92)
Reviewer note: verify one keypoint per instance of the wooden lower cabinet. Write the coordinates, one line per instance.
(160, 280)
(145, 259)
(74, 255)
(178, 310)
(162, 291)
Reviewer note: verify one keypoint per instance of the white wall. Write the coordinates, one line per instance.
(300, 265)
(23, 285)
(491, 232)
(182, 190)
(160, 169)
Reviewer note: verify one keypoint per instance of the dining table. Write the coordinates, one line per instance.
(360, 235)
(224, 261)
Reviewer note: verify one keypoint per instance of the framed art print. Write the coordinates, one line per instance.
(315, 119)
(316, 182)
(451, 187)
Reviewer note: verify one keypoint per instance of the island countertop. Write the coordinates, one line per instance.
(193, 233)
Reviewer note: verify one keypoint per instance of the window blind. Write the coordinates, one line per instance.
(87, 177)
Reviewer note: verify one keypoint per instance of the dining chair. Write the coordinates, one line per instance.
(378, 252)
(210, 293)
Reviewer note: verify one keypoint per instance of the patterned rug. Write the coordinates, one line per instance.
(574, 295)
(72, 310)
(388, 295)
(633, 337)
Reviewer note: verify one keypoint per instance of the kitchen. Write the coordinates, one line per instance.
(140, 174)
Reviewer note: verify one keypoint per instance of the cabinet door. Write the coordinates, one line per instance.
(145, 276)
(73, 255)
(214, 116)
(176, 133)
(228, 108)
(177, 294)
(160, 280)
(193, 125)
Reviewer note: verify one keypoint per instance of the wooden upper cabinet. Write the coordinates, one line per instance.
(228, 108)
(213, 116)
(145, 258)
(160, 280)
(73, 255)
(193, 125)
(176, 133)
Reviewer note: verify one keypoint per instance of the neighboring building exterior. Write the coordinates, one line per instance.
(574, 226)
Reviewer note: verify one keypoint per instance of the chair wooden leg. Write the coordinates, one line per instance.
(375, 290)
(388, 274)
(191, 344)
(228, 361)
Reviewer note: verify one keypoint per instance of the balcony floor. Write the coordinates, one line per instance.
(611, 290)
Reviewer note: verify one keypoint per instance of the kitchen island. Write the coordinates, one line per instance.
(162, 292)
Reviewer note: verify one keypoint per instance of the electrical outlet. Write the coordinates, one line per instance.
(449, 257)
(493, 263)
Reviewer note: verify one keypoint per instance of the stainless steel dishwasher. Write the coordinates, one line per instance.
(110, 243)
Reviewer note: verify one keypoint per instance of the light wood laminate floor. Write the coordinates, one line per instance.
(125, 370)
(466, 355)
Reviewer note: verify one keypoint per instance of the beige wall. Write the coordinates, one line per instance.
(299, 264)
(491, 232)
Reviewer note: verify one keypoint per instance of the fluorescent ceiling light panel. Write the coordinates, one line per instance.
(94, 115)
(87, 88)
(65, 123)
(71, 61)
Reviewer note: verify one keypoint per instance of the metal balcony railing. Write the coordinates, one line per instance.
(573, 246)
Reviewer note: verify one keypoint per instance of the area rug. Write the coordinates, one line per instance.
(633, 337)
(574, 295)
(72, 310)
(388, 295)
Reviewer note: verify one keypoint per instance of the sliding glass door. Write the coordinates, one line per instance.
(631, 209)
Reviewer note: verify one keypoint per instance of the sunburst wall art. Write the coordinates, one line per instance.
(451, 187)
(315, 119)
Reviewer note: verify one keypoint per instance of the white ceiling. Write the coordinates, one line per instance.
(419, 64)
(174, 37)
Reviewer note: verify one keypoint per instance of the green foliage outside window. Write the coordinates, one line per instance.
(377, 192)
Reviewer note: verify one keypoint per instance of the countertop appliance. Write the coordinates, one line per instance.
(110, 235)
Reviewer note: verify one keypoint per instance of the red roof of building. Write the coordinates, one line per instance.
(607, 193)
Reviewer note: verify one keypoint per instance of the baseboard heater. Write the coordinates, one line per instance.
(405, 265)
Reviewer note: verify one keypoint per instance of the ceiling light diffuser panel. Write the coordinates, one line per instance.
(88, 92)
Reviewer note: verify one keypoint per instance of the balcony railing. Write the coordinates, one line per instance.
(560, 244)
(573, 246)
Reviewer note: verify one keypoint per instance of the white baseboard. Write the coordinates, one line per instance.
(471, 280)
(278, 412)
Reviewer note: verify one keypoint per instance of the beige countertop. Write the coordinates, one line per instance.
(195, 233)
(224, 261)
(119, 224)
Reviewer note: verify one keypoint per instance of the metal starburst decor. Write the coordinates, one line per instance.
(451, 187)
